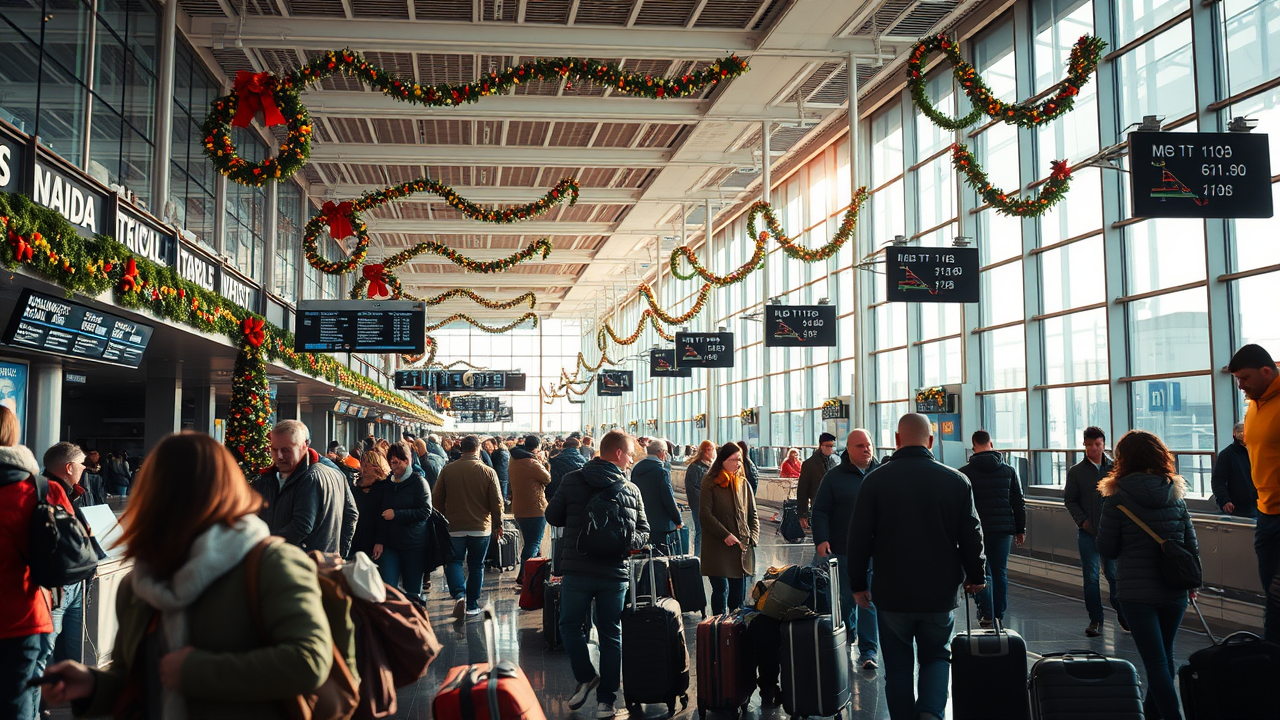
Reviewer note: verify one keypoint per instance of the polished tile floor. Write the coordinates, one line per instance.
(1049, 622)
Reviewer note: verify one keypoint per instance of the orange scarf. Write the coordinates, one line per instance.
(725, 478)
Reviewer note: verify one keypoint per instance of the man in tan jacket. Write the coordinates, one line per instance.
(529, 480)
(470, 498)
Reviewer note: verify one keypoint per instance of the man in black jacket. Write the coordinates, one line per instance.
(1233, 487)
(832, 517)
(653, 479)
(1084, 502)
(997, 493)
(306, 502)
(915, 520)
(499, 460)
(589, 577)
(811, 473)
(569, 459)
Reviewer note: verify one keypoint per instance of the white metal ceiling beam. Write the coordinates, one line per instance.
(500, 280)
(465, 227)
(561, 157)
(514, 195)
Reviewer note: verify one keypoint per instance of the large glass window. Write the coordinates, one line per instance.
(1075, 347)
(1157, 77)
(192, 181)
(1169, 333)
(1073, 275)
(1253, 42)
(290, 218)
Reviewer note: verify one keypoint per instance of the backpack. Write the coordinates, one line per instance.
(790, 527)
(606, 532)
(793, 592)
(61, 551)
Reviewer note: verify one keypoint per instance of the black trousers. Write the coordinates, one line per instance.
(766, 639)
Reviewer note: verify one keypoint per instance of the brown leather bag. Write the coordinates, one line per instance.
(395, 646)
(337, 697)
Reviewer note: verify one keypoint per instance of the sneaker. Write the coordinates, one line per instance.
(1094, 629)
(869, 663)
(984, 623)
(475, 612)
(460, 609)
(1124, 625)
(604, 711)
(579, 696)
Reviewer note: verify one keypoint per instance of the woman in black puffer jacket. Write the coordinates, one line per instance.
(402, 534)
(1145, 481)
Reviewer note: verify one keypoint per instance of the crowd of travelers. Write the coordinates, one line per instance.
(908, 535)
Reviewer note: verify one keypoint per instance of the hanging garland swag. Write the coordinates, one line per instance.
(1083, 60)
(278, 98)
(1053, 190)
(527, 317)
(789, 245)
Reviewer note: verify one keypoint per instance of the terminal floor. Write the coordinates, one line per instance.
(1049, 622)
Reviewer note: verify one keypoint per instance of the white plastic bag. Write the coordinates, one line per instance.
(363, 579)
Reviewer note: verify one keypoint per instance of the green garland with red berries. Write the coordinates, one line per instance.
(645, 290)
(247, 432)
(277, 97)
(1053, 190)
(1082, 62)
(800, 252)
(751, 265)
(648, 316)
(527, 317)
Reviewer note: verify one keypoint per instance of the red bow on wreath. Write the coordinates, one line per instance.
(256, 91)
(253, 331)
(130, 283)
(1059, 170)
(378, 289)
(338, 215)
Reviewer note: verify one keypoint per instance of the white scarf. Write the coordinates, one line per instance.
(214, 553)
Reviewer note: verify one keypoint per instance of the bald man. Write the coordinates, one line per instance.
(831, 517)
(915, 520)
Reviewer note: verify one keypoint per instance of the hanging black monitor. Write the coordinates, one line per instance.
(361, 326)
(799, 326)
(931, 274)
(662, 363)
(704, 350)
(62, 327)
(1200, 175)
(615, 381)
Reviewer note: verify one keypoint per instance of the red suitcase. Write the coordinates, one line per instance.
(474, 692)
(726, 666)
(536, 572)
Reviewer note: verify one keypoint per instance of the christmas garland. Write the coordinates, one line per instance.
(667, 317)
(755, 261)
(429, 355)
(1084, 59)
(527, 317)
(266, 92)
(799, 252)
(1053, 190)
(528, 298)
(648, 316)
(247, 433)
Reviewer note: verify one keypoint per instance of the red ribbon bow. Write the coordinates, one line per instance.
(378, 289)
(338, 215)
(256, 91)
(1059, 170)
(130, 280)
(253, 331)
(22, 251)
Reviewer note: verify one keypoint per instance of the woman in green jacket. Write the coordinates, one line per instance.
(187, 645)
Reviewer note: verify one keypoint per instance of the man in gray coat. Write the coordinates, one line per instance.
(308, 503)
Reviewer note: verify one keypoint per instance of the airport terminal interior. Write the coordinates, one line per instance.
(761, 221)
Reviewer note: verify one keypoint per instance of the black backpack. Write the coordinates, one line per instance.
(606, 531)
(61, 551)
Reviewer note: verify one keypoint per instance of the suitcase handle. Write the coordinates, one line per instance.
(1001, 634)
(1205, 625)
(647, 550)
(836, 614)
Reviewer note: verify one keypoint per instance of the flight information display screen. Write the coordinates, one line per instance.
(662, 363)
(614, 382)
(437, 380)
(704, 350)
(799, 326)
(332, 326)
(59, 326)
(1200, 175)
(931, 274)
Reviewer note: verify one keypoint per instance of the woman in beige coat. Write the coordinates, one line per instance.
(728, 515)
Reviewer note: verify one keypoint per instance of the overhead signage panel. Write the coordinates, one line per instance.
(436, 380)
(66, 193)
(662, 363)
(474, 403)
(800, 326)
(615, 382)
(238, 291)
(1200, 175)
(931, 274)
(61, 327)
(144, 236)
(195, 267)
(361, 326)
(704, 350)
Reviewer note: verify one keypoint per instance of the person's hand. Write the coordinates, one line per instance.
(76, 684)
(1086, 526)
(863, 599)
(377, 551)
(974, 588)
(1191, 595)
(1020, 538)
(824, 549)
(388, 514)
(679, 526)
(804, 523)
(731, 541)
(1229, 507)
(171, 668)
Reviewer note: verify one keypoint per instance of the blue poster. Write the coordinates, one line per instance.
(13, 392)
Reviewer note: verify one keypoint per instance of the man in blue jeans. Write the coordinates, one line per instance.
(1085, 505)
(593, 577)
(997, 493)
(915, 519)
(830, 518)
(470, 498)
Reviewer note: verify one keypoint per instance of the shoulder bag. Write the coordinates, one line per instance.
(1179, 568)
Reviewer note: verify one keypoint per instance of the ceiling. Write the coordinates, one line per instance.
(641, 164)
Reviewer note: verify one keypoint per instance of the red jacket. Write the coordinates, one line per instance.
(790, 468)
(23, 608)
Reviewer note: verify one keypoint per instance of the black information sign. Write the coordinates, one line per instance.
(662, 363)
(374, 326)
(614, 382)
(704, 350)
(62, 327)
(461, 380)
(799, 326)
(1200, 175)
(65, 191)
(931, 274)
(474, 403)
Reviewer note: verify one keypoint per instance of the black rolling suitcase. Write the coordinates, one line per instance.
(815, 661)
(657, 567)
(655, 659)
(505, 554)
(551, 614)
(988, 673)
(687, 585)
(1231, 680)
(1084, 684)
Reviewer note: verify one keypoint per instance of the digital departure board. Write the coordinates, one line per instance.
(59, 326)
(1200, 175)
(474, 403)
(662, 363)
(372, 326)
(799, 326)
(704, 350)
(437, 380)
(931, 274)
(613, 382)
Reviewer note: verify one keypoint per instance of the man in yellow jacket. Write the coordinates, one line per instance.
(1256, 372)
